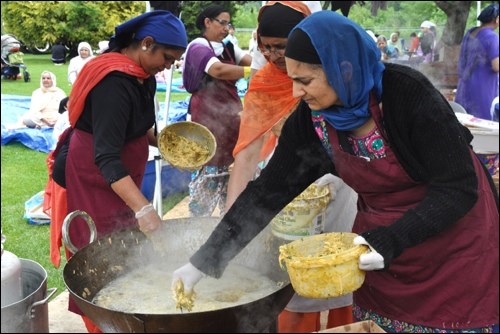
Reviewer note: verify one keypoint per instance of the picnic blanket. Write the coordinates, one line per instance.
(14, 106)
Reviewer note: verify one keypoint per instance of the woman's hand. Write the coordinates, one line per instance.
(148, 219)
(371, 260)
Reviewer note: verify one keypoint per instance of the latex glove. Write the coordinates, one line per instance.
(148, 219)
(189, 275)
(331, 181)
(369, 261)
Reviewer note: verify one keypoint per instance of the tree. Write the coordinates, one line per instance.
(37, 23)
(191, 9)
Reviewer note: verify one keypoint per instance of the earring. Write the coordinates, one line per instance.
(144, 48)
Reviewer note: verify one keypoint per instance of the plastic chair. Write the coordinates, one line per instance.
(457, 108)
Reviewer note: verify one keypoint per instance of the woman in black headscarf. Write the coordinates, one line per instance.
(427, 207)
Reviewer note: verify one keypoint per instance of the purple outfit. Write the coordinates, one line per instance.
(214, 102)
(477, 83)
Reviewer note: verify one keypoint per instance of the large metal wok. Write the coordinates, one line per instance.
(109, 257)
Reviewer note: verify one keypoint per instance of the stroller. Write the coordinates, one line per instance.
(13, 59)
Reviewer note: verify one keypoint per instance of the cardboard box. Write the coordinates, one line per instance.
(367, 326)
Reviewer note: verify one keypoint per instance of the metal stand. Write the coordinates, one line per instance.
(158, 193)
(158, 196)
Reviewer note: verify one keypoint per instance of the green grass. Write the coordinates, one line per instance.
(24, 173)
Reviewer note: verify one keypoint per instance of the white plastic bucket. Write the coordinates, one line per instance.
(304, 216)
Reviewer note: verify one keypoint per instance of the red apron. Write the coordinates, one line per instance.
(448, 281)
(87, 189)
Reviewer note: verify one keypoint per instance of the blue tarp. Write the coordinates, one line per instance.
(178, 86)
(14, 106)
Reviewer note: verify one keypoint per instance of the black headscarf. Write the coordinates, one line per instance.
(278, 20)
(300, 47)
(489, 13)
(210, 12)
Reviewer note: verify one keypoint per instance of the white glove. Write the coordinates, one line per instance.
(148, 219)
(369, 261)
(189, 275)
(331, 181)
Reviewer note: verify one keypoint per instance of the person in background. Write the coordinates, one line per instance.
(85, 54)
(210, 71)
(396, 42)
(112, 113)
(372, 35)
(252, 43)
(388, 52)
(44, 105)
(427, 41)
(427, 207)
(62, 122)
(59, 53)
(268, 103)
(258, 60)
(436, 46)
(414, 44)
(103, 46)
(478, 65)
(230, 35)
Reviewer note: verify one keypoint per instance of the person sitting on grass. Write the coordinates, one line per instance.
(44, 108)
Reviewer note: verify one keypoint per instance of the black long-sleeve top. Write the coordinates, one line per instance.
(430, 143)
(118, 109)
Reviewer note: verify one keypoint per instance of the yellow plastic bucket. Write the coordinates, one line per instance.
(325, 265)
(304, 216)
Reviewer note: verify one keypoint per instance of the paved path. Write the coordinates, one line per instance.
(60, 319)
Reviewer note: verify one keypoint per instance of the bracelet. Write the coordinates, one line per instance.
(144, 210)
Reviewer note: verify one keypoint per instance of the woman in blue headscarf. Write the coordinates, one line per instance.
(100, 160)
(427, 207)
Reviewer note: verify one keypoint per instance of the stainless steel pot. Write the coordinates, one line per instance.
(94, 266)
(30, 314)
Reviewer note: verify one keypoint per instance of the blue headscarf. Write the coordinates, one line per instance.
(351, 62)
(162, 25)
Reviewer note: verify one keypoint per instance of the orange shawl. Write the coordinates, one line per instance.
(268, 99)
(92, 73)
(55, 204)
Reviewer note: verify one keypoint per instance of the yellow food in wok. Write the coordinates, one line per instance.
(147, 290)
(183, 300)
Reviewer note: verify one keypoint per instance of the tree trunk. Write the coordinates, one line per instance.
(457, 13)
(443, 74)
